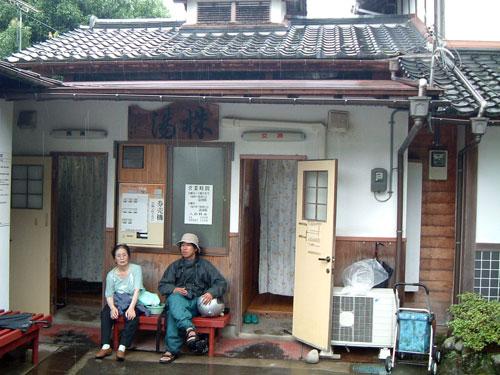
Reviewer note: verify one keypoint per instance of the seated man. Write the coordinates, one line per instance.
(182, 283)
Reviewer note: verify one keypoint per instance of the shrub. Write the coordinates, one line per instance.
(476, 321)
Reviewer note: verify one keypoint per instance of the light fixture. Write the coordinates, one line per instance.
(79, 133)
(273, 136)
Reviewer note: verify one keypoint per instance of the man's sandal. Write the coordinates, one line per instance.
(167, 357)
(194, 343)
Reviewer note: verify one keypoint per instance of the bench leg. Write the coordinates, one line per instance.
(115, 336)
(211, 342)
(34, 347)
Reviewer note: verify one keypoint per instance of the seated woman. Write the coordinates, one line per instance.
(123, 285)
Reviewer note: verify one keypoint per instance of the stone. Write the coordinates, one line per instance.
(459, 346)
(495, 362)
(448, 344)
(312, 357)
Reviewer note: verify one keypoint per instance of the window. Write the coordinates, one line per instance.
(316, 195)
(27, 186)
(182, 188)
(249, 12)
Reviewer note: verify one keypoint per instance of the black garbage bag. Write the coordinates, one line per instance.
(390, 271)
(20, 321)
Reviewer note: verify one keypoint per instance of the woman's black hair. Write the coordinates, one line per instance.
(120, 246)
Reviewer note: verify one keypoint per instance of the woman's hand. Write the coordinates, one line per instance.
(113, 312)
(207, 298)
(182, 291)
(130, 313)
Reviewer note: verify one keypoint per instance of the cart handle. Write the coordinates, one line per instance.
(395, 287)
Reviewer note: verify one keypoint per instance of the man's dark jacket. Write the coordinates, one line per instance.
(197, 276)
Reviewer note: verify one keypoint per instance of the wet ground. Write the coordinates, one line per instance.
(70, 349)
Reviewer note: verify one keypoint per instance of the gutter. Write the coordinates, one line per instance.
(395, 103)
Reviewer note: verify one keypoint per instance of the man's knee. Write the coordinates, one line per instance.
(175, 298)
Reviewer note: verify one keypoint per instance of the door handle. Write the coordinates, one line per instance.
(327, 259)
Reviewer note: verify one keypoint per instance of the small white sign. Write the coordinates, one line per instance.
(134, 213)
(156, 210)
(198, 204)
(5, 171)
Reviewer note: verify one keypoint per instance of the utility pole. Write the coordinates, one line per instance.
(22, 7)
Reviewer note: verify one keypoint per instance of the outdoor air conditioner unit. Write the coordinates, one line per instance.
(366, 320)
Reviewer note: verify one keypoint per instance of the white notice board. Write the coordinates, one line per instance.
(198, 204)
(134, 213)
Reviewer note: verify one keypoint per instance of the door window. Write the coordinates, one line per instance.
(27, 186)
(315, 195)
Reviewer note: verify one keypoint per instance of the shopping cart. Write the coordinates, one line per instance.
(414, 334)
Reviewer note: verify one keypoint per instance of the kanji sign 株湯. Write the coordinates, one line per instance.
(176, 121)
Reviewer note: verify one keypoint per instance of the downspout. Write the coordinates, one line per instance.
(419, 120)
(459, 223)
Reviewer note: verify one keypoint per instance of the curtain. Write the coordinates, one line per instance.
(81, 213)
(278, 199)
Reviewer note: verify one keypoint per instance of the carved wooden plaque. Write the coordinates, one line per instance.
(176, 121)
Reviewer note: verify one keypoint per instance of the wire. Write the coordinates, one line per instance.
(40, 22)
(382, 200)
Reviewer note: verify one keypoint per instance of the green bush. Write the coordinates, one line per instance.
(476, 321)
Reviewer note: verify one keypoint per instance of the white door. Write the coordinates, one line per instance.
(315, 252)
(30, 234)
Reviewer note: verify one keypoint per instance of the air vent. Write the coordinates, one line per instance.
(354, 316)
(367, 320)
(253, 11)
(219, 12)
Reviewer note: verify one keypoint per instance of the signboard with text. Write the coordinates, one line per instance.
(176, 121)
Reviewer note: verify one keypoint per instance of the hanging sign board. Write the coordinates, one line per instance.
(177, 121)
(5, 170)
(198, 204)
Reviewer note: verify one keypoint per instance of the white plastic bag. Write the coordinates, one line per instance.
(363, 275)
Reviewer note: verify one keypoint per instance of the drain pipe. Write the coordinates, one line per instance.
(419, 109)
(478, 125)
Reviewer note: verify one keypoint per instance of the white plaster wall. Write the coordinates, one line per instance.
(6, 110)
(488, 188)
(466, 20)
(366, 146)
(363, 147)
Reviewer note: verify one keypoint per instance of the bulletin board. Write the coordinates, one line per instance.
(141, 214)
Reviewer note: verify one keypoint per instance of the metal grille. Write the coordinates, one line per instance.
(253, 11)
(219, 12)
(487, 274)
(362, 327)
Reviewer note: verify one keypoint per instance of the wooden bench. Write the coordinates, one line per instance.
(11, 339)
(211, 326)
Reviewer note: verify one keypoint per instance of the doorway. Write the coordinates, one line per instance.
(267, 222)
(80, 211)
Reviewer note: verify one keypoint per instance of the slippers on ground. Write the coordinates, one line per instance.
(247, 319)
(255, 319)
(167, 357)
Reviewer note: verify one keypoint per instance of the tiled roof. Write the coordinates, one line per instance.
(9, 72)
(304, 39)
(482, 69)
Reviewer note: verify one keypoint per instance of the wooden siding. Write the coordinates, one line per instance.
(438, 225)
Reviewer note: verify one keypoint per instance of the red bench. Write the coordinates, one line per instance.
(211, 326)
(11, 339)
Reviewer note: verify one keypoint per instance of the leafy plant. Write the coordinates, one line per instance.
(476, 321)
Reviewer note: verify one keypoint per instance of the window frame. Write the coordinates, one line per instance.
(168, 248)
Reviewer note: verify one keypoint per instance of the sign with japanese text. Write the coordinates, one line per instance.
(176, 121)
(198, 204)
(5, 171)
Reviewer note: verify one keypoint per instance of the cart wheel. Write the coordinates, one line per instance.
(437, 356)
(434, 367)
(388, 364)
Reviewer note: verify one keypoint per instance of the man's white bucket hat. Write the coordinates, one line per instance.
(189, 238)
